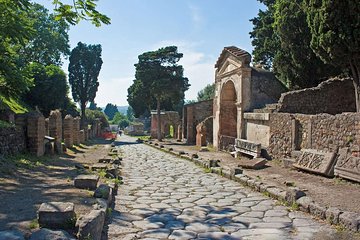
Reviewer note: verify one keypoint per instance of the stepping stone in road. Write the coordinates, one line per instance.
(58, 215)
(86, 181)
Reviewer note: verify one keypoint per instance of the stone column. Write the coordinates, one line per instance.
(68, 131)
(240, 122)
(36, 133)
(82, 136)
(179, 131)
(76, 131)
(191, 135)
(55, 129)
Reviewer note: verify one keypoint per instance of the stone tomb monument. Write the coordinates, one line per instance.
(348, 166)
(316, 162)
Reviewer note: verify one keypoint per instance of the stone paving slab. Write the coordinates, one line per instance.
(166, 197)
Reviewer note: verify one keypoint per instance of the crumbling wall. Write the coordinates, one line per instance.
(333, 96)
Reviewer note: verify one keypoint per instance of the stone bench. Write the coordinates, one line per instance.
(247, 147)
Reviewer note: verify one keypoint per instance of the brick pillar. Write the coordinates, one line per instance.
(68, 131)
(36, 133)
(76, 131)
(55, 129)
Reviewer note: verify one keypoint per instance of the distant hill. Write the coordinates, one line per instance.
(123, 109)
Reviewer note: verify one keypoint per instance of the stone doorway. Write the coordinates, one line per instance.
(228, 111)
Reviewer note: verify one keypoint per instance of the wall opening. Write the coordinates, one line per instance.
(228, 110)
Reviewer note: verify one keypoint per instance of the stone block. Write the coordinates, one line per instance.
(248, 147)
(236, 171)
(105, 160)
(304, 203)
(11, 235)
(317, 162)
(99, 166)
(86, 181)
(56, 215)
(348, 166)
(332, 215)
(293, 194)
(90, 226)
(350, 220)
(47, 234)
(317, 210)
(256, 163)
(102, 191)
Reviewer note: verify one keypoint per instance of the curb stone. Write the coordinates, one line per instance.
(349, 220)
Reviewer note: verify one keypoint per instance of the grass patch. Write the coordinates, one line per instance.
(142, 137)
(21, 161)
(34, 224)
(4, 124)
(207, 170)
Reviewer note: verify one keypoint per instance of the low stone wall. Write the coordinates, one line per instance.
(332, 96)
(12, 141)
(325, 132)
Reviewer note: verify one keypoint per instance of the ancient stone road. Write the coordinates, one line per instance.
(165, 197)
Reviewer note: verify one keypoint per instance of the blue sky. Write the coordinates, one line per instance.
(200, 29)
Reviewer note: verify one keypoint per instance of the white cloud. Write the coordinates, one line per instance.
(196, 16)
(198, 67)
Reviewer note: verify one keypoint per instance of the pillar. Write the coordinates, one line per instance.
(36, 133)
(55, 129)
(68, 131)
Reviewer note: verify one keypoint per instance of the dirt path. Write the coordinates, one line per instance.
(24, 186)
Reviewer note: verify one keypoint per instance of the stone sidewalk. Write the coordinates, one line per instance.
(166, 197)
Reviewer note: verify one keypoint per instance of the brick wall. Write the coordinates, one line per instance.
(322, 131)
(12, 141)
(194, 114)
(332, 96)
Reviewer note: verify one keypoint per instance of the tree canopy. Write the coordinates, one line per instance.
(335, 35)
(281, 39)
(207, 93)
(84, 68)
(110, 110)
(50, 88)
(159, 78)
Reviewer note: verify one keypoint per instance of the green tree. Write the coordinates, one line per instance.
(296, 63)
(15, 31)
(92, 115)
(123, 123)
(84, 68)
(281, 39)
(130, 114)
(110, 110)
(161, 77)
(335, 35)
(207, 93)
(118, 117)
(51, 41)
(50, 88)
(139, 98)
(93, 106)
(264, 38)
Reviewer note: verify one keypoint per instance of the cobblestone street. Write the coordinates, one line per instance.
(166, 197)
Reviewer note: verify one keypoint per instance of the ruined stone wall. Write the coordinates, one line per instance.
(195, 114)
(332, 96)
(322, 132)
(12, 141)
